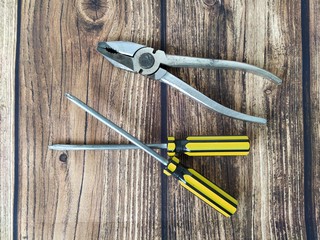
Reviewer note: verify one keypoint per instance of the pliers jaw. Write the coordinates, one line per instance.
(119, 53)
(133, 57)
(121, 47)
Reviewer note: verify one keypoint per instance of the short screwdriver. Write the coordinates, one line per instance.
(187, 177)
(191, 146)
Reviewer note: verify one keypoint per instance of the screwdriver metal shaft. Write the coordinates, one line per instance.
(67, 147)
(119, 130)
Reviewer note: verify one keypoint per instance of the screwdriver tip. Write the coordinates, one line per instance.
(68, 95)
(59, 147)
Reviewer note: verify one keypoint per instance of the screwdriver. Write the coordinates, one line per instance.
(191, 146)
(187, 177)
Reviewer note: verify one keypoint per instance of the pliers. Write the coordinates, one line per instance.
(137, 58)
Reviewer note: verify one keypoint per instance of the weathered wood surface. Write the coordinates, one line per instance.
(314, 119)
(93, 195)
(120, 195)
(268, 183)
(8, 29)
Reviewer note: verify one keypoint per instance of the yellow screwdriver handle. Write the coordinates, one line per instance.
(209, 146)
(202, 188)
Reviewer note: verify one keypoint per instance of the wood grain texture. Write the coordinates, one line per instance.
(86, 195)
(268, 183)
(315, 109)
(8, 28)
(119, 194)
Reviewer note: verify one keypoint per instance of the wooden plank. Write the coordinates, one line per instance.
(86, 195)
(269, 182)
(314, 110)
(8, 28)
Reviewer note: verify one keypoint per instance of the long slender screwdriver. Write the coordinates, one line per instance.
(188, 178)
(191, 146)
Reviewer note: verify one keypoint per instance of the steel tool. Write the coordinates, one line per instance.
(191, 146)
(187, 177)
(137, 58)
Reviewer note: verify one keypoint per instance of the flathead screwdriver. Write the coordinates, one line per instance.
(191, 146)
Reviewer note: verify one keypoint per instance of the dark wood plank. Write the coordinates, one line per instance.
(269, 182)
(314, 117)
(86, 195)
(8, 28)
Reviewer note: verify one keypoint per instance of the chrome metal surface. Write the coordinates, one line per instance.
(181, 61)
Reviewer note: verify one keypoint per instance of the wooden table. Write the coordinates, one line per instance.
(48, 48)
